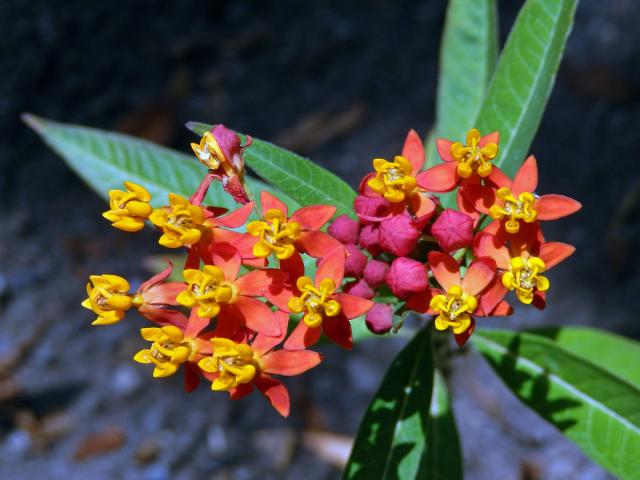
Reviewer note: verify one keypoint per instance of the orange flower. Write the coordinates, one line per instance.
(237, 365)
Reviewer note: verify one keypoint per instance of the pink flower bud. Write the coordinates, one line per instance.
(453, 230)
(371, 209)
(355, 261)
(399, 235)
(380, 318)
(407, 276)
(344, 229)
(375, 272)
(229, 143)
(359, 288)
(369, 239)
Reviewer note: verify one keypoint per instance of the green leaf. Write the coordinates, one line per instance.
(524, 77)
(614, 353)
(297, 176)
(105, 159)
(595, 409)
(468, 53)
(391, 441)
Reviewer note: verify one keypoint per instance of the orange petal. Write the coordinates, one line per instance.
(552, 207)
(302, 337)
(413, 150)
(487, 245)
(493, 137)
(422, 206)
(163, 316)
(478, 276)
(195, 324)
(441, 178)
(269, 201)
(163, 294)
(503, 309)
(275, 392)
(290, 362)
(227, 257)
(240, 391)
(331, 266)
(526, 178)
(314, 216)
(317, 244)
(480, 197)
(157, 278)
(445, 269)
(352, 306)
(257, 282)
(498, 178)
(466, 207)
(258, 316)
(338, 329)
(492, 296)
(263, 343)
(552, 253)
(236, 218)
(444, 149)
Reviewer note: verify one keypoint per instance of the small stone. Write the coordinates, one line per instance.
(277, 446)
(217, 441)
(148, 451)
(126, 380)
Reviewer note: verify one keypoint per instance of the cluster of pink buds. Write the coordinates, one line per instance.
(410, 254)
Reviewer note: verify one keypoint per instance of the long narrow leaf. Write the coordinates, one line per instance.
(468, 54)
(298, 177)
(105, 159)
(595, 409)
(524, 77)
(391, 441)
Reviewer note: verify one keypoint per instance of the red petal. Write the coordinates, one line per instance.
(258, 316)
(302, 337)
(526, 178)
(195, 324)
(503, 309)
(227, 257)
(228, 322)
(157, 278)
(539, 300)
(463, 337)
(314, 216)
(317, 244)
(441, 178)
(338, 329)
(493, 137)
(487, 245)
(331, 266)
(352, 306)
(422, 207)
(552, 207)
(236, 218)
(290, 362)
(241, 391)
(269, 202)
(275, 392)
(478, 276)
(191, 377)
(466, 207)
(444, 149)
(263, 343)
(193, 259)
(163, 316)
(201, 191)
(234, 187)
(413, 150)
(257, 282)
(480, 197)
(163, 294)
(445, 269)
(419, 302)
(498, 178)
(552, 253)
(492, 296)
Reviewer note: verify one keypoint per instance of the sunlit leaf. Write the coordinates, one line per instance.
(300, 178)
(597, 410)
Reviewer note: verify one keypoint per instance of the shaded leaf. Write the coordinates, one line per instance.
(598, 411)
(298, 177)
(523, 80)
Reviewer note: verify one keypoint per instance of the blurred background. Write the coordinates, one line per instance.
(341, 82)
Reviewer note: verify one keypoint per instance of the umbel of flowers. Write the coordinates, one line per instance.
(227, 321)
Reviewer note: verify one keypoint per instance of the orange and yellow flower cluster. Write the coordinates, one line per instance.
(227, 321)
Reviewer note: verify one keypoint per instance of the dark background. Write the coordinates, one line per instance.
(341, 82)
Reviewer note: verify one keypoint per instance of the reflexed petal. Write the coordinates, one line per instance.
(486, 245)
(526, 178)
(338, 329)
(236, 218)
(552, 253)
(413, 150)
(441, 178)
(352, 306)
(317, 244)
(445, 269)
(269, 202)
(302, 337)
(290, 362)
(257, 282)
(332, 266)
(263, 343)
(314, 216)
(493, 137)
(478, 276)
(481, 197)
(552, 207)
(258, 316)
(275, 392)
(444, 149)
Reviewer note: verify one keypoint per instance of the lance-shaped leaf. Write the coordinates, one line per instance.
(597, 410)
(468, 53)
(298, 177)
(393, 440)
(105, 159)
(523, 80)
(617, 354)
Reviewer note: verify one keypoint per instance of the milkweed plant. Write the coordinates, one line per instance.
(450, 231)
